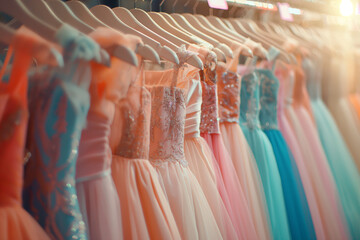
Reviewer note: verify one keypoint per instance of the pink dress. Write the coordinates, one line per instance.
(242, 157)
(227, 180)
(16, 223)
(316, 162)
(98, 199)
(145, 211)
(187, 200)
(286, 77)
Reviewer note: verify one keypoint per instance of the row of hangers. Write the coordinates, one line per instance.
(161, 33)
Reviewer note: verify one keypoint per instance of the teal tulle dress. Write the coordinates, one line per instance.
(341, 163)
(264, 155)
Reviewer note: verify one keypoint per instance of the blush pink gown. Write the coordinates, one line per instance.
(286, 77)
(315, 160)
(242, 157)
(192, 212)
(16, 223)
(145, 211)
(227, 180)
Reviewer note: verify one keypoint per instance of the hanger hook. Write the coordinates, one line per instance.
(160, 5)
(195, 6)
(173, 6)
(151, 2)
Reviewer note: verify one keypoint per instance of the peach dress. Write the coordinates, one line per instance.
(188, 202)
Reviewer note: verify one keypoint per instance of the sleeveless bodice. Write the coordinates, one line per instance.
(193, 109)
(209, 107)
(94, 158)
(299, 84)
(269, 86)
(229, 99)
(250, 101)
(168, 113)
(132, 121)
(313, 83)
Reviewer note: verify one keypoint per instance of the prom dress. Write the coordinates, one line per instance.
(315, 160)
(59, 106)
(285, 74)
(188, 203)
(145, 211)
(228, 182)
(345, 173)
(197, 152)
(297, 209)
(16, 223)
(263, 153)
(98, 199)
(228, 89)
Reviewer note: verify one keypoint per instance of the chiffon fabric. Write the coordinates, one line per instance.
(98, 199)
(59, 105)
(315, 160)
(16, 223)
(145, 211)
(197, 152)
(298, 213)
(228, 183)
(286, 77)
(335, 93)
(191, 210)
(228, 83)
(345, 173)
(263, 153)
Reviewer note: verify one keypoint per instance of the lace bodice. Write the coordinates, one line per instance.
(250, 101)
(132, 121)
(94, 158)
(269, 86)
(229, 99)
(209, 107)
(168, 113)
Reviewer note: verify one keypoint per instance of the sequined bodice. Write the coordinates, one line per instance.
(209, 107)
(132, 119)
(269, 86)
(250, 101)
(229, 99)
(167, 125)
(94, 155)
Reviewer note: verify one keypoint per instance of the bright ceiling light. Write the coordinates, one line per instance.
(346, 8)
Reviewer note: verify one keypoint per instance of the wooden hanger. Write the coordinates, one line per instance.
(17, 9)
(182, 21)
(126, 17)
(119, 51)
(107, 16)
(63, 12)
(174, 41)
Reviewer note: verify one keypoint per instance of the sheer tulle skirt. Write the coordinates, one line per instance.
(188, 203)
(230, 188)
(270, 177)
(145, 210)
(100, 208)
(306, 179)
(16, 223)
(321, 178)
(342, 166)
(297, 209)
(199, 157)
(249, 177)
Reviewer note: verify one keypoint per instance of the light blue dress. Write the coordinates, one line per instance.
(59, 103)
(341, 163)
(264, 155)
(298, 212)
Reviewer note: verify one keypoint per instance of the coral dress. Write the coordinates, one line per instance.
(227, 180)
(342, 164)
(197, 152)
(15, 222)
(297, 209)
(243, 160)
(331, 213)
(188, 203)
(145, 211)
